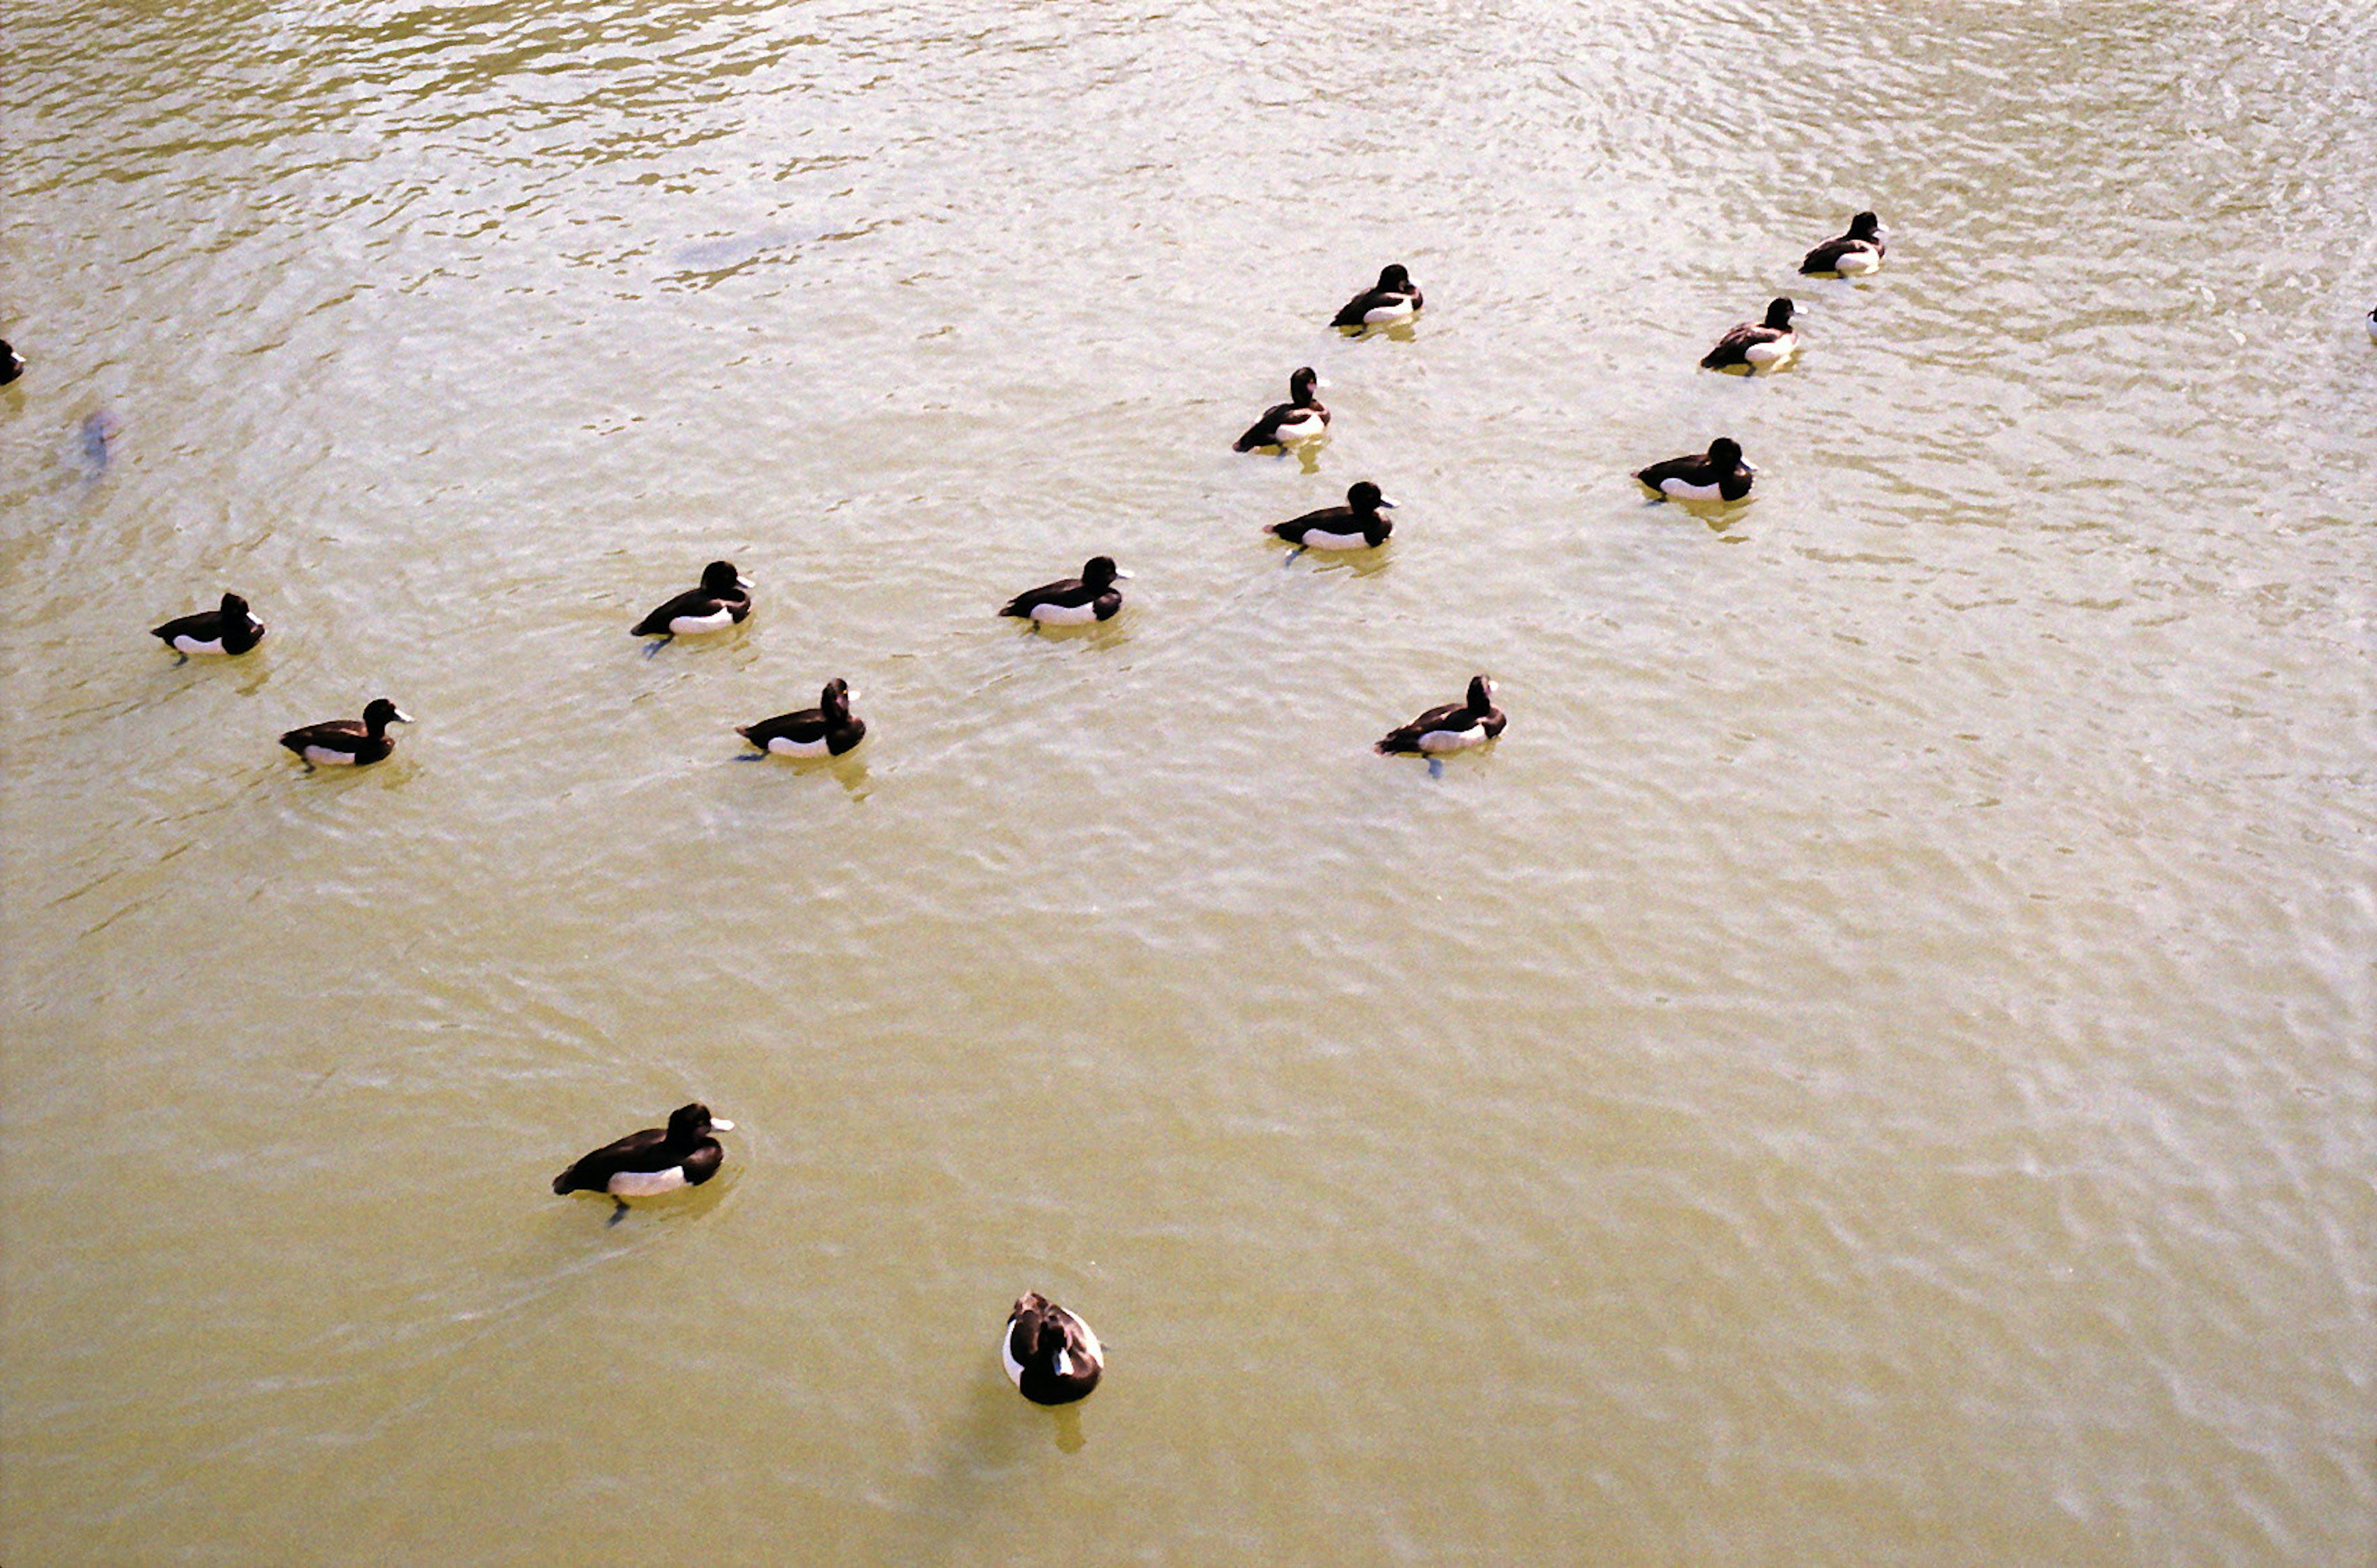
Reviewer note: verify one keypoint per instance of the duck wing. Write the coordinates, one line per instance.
(591, 1173)
(1735, 346)
(1826, 257)
(1065, 588)
(1688, 469)
(693, 601)
(1359, 307)
(1264, 432)
(1328, 519)
(803, 728)
(329, 732)
(1452, 717)
(204, 627)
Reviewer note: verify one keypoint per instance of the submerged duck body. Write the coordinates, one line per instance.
(722, 600)
(1758, 345)
(228, 629)
(1394, 298)
(830, 729)
(1049, 1353)
(1074, 601)
(1356, 525)
(346, 742)
(12, 364)
(1717, 474)
(1456, 726)
(656, 1160)
(1301, 418)
(1852, 255)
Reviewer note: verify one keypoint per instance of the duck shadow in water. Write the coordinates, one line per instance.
(848, 769)
(983, 1454)
(1306, 453)
(1718, 515)
(670, 1208)
(1097, 634)
(1356, 563)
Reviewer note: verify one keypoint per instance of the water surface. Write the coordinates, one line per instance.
(1872, 1068)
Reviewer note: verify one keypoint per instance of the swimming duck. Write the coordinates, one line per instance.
(227, 630)
(12, 364)
(1717, 474)
(1074, 601)
(1456, 726)
(1395, 298)
(1758, 344)
(827, 730)
(1854, 254)
(724, 598)
(1300, 419)
(1048, 1352)
(1356, 525)
(2372, 325)
(344, 742)
(647, 1164)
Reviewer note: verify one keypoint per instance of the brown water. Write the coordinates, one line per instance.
(1875, 1067)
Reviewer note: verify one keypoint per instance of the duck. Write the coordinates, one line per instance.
(1356, 525)
(345, 742)
(722, 600)
(653, 1161)
(1394, 298)
(1718, 474)
(2371, 325)
(1456, 726)
(1854, 254)
(228, 629)
(827, 730)
(1300, 419)
(1074, 601)
(1759, 345)
(12, 364)
(1049, 1353)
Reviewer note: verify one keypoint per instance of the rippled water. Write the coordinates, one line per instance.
(1875, 1067)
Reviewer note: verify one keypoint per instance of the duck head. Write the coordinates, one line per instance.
(721, 577)
(690, 1124)
(380, 713)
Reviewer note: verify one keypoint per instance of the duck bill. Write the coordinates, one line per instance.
(719, 1124)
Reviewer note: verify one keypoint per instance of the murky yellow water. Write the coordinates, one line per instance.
(1874, 1067)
